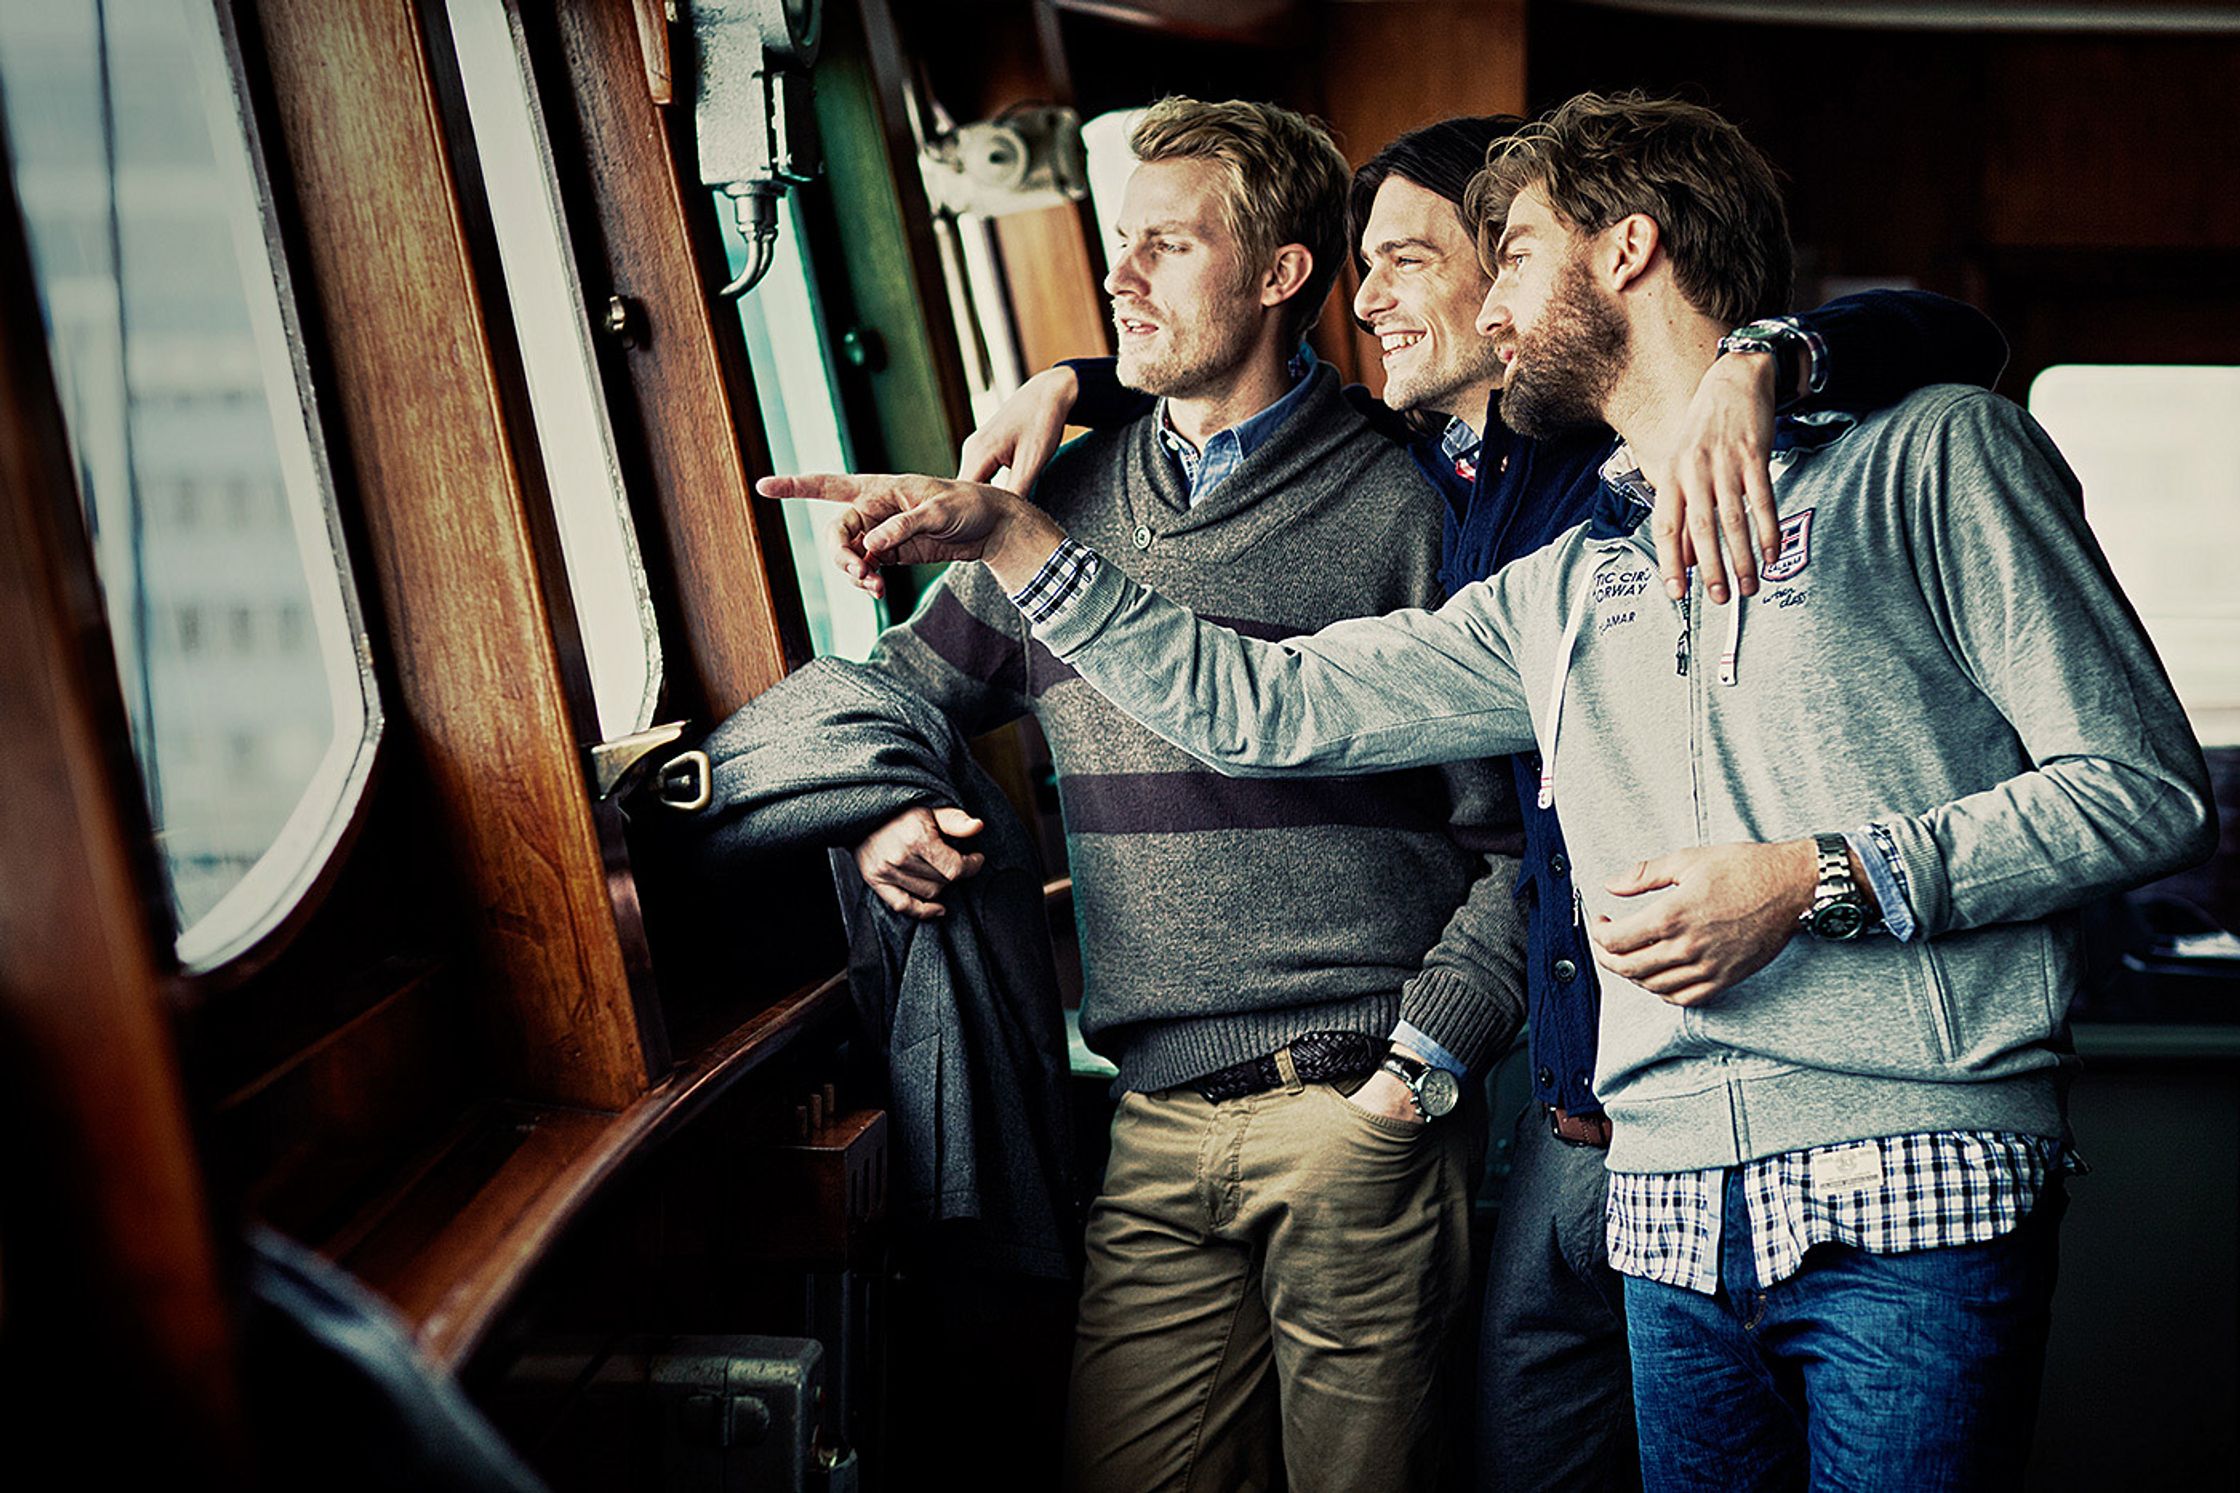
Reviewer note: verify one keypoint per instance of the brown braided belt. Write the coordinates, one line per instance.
(1317, 1057)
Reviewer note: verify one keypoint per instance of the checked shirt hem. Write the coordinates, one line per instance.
(1927, 1191)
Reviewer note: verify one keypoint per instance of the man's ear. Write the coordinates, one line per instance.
(1294, 263)
(1627, 249)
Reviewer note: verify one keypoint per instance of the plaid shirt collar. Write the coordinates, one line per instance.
(1462, 446)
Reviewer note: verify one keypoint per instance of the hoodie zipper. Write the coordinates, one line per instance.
(1695, 722)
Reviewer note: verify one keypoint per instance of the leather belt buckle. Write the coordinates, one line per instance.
(1579, 1130)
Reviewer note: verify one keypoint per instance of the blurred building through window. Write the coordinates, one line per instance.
(206, 490)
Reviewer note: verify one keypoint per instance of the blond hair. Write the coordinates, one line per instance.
(1284, 182)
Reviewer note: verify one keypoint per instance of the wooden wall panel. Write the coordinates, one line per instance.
(1389, 67)
(2102, 141)
(453, 546)
(696, 421)
(1057, 301)
(109, 1252)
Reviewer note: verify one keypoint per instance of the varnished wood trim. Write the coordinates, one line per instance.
(452, 1247)
(693, 419)
(1055, 299)
(452, 547)
(653, 41)
(111, 1255)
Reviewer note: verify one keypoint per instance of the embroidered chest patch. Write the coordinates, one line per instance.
(1796, 548)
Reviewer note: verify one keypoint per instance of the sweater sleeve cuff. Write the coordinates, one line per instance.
(1074, 619)
(1463, 1022)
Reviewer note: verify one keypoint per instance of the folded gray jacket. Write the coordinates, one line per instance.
(966, 1007)
(1941, 651)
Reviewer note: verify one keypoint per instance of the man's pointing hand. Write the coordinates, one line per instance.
(909, 520)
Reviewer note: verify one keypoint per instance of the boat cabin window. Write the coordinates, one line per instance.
(551, 323)
(195, 443)
(797, 389)
(2158, 453)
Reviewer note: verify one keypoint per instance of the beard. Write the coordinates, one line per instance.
(1566, 367)
(1193, 355)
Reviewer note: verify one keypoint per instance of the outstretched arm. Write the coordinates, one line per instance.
(1361, 696)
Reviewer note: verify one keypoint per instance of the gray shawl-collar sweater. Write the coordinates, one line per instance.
(1220, 918)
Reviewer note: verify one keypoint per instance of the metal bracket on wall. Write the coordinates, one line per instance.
(751, 112)
(624, 766)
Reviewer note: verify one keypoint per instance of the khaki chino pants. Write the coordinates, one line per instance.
(1272, 1285)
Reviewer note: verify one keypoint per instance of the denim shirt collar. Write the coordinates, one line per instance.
(1226, 450)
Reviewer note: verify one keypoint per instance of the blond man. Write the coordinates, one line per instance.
(1280, 1248)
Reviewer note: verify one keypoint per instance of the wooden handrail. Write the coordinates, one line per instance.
(452, 1245)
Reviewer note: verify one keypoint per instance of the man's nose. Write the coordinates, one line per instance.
(1375, 293)
(1493, 312)
(1123, 276)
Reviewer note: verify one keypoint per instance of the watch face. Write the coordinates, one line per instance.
(1839, 920)
(1439, 1092)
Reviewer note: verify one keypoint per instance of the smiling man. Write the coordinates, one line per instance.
(1554, 1402)
(1834, 842)
(1280, 1252)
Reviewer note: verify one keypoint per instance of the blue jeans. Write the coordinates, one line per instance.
(1917, 1371)
(1555, 1386)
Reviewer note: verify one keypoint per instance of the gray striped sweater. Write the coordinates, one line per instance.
(1219, 917)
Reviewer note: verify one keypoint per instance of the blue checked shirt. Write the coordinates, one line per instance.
(1887, 1196)
(1461, 447)
(1068, 572)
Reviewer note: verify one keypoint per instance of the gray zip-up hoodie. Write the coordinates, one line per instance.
(1941, 650)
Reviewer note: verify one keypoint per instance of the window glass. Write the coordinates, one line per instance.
(800, 400)
(2158, 452)
(206, 490)
(551, 323)
(1111, 163)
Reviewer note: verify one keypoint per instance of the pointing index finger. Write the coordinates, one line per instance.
(825, 487)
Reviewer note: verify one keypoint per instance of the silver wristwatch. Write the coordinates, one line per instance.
(1432, 1089)
(1783, 344)
(1837, 910)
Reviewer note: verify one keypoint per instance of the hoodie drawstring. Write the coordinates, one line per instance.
(1729, 671)
(1731, 655)
(1562, 676)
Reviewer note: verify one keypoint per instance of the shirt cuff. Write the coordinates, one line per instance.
(1886, 874)
(1413, 1038)
(1815, 354)
(1064, 577)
